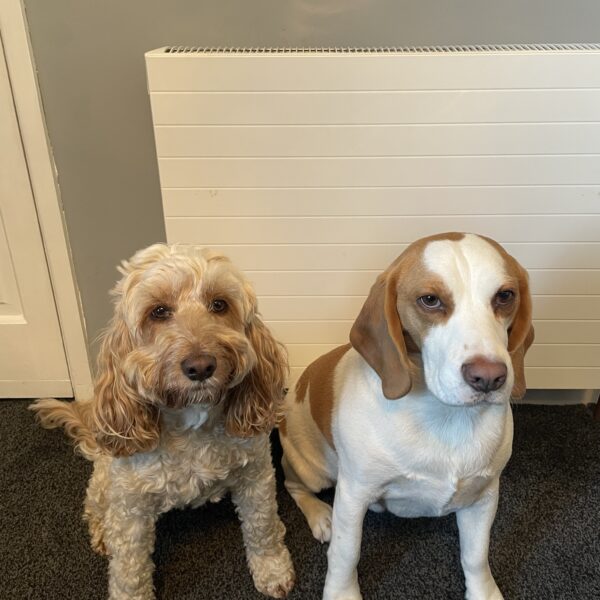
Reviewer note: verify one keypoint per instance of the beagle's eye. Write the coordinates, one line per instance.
(504, 297)
(218, 305)
(161, 313)
(430, 302)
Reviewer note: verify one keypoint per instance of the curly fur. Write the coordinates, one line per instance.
(161, 440)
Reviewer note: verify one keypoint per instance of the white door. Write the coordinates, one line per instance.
(32, 356)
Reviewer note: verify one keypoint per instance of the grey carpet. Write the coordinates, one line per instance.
(545, 541)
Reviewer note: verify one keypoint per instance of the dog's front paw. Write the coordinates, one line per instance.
(347, 594)
(319, 521)
(273, 574)
(346, 588)
(484, 591)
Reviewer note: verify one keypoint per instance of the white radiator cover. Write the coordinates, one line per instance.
(313, 168)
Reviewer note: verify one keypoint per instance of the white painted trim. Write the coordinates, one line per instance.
(560, 397)
(42, 173)
(57, 388)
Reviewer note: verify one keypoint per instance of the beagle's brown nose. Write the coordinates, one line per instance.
(484, 375)
(199, 367)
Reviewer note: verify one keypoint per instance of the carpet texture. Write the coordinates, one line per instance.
(545, 541)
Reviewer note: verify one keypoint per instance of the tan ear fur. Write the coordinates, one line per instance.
(377, 336)
(123, 423)
(521, 335)
(255, 405)
(115, 421)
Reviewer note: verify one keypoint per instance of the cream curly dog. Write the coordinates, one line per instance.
(190, 382)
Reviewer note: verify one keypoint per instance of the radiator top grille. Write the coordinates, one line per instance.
(385, 50)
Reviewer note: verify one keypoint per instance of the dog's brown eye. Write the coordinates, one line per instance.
(160, 313)
(430, 302)
(218, 305)
(504, 297)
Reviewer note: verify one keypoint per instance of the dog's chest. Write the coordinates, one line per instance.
(423, 495)
(430, 474)
(425, 458)
(194, 468)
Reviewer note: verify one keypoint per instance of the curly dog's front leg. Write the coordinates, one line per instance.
(129, 535)
(268, 558)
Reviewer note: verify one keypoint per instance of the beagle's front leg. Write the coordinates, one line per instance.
(474, 524)
(349, 508)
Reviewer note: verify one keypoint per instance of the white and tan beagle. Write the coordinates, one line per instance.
(413, 416)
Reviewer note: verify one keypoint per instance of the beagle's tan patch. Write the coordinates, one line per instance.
(318, 379)
(414, 279)
(282, 427)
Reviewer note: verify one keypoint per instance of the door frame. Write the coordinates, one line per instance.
(46, 195)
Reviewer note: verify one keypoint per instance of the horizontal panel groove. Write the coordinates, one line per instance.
(557, 345)
(568, 345)
(376, 244)
(191, 215)
(350, 321)
(383, 215)
(552, 217)
(375, 272)
(374, 172)
(385, 107)
(543, 378)
(580, 295)
(384, 187)
(373, 157)
(337, 244)
(333, 126)
(375, 91)
(400, 187)
(392, 230)
(592, 368)
(540, 355)
(337, 332)
(310, 308)
(159, 124)
(363, 296)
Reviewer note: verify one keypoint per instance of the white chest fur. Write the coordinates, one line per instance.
(419, 456)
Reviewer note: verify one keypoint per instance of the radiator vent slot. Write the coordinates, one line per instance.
(387, 50)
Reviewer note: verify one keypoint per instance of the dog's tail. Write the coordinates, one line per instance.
(74, 417)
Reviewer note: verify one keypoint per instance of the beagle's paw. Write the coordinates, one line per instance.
(319, 521)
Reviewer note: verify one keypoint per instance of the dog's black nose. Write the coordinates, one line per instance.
(199, 367)
(484, 375)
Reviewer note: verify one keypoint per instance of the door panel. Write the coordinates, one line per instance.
(32, 356)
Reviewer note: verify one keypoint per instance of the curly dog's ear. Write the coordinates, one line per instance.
(122, 422)
(116, 421)
(255, 405)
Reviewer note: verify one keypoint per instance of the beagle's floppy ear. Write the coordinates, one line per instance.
(521, 335)
(377, 336)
